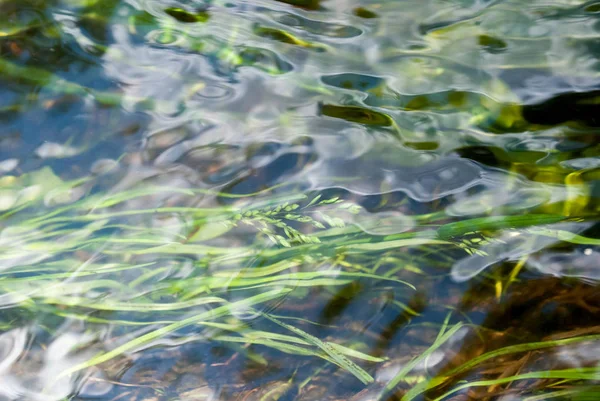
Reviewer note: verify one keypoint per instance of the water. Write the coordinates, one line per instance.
(299, 200)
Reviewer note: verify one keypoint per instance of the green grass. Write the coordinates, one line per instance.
(587, 374)
(295, 234)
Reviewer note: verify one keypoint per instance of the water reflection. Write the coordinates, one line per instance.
(298, 200)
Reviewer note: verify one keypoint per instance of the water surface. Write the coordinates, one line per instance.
(299, 200)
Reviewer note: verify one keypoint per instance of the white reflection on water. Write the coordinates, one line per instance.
(584, 264)
(512, 245)
(33, 373)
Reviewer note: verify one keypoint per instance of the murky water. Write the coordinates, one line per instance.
(299, 200)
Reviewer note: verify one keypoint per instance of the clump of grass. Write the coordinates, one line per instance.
(104, 260)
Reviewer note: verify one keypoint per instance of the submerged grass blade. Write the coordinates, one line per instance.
(565, 374)
(575, 394)
(385, 245)
(520, 348)
(153, 335)
(458, 228)
(565, 236)
(442, 337)
(297, 340)
(296, 346)
(135, 306)
(233, 281)
(436, 381)
(332, 352)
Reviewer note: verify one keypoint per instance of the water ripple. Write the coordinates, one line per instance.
(177, 148)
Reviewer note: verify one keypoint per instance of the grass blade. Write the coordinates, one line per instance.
(146, 338)
(332, 352)
(567, 374)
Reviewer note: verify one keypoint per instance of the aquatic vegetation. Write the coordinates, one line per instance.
(42, 272)
(299, 200)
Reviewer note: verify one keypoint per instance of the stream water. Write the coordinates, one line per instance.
(299, 200)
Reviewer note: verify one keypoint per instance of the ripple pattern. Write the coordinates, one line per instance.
(390, 115)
